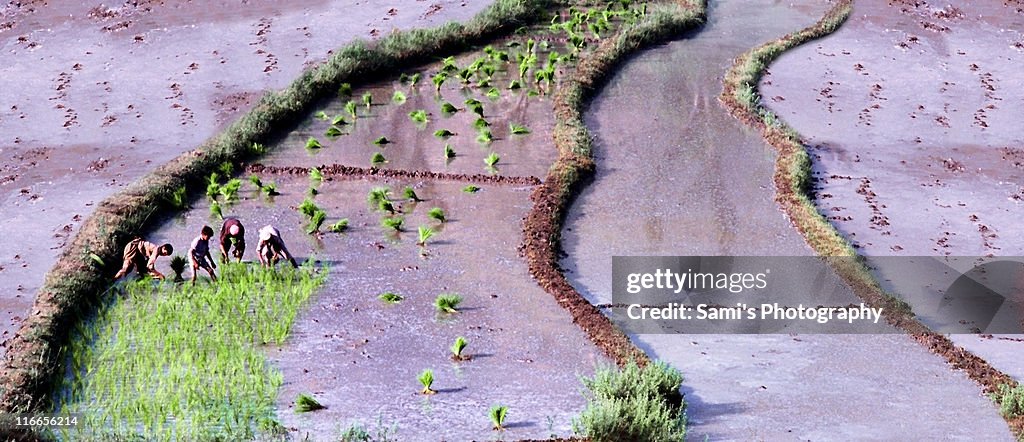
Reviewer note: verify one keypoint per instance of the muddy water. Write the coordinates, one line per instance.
(700, 184)
(90, 102)
(360, 357)
(912, 115)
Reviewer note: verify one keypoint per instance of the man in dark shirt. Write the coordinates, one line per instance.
(232, 233)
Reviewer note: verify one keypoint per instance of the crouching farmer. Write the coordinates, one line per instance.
(272, 247)
(199, 254)
(141, 255)
(232, 233)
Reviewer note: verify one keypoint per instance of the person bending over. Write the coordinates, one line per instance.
(272, 247)
(141, 255)
(199, 254)
(232, 233)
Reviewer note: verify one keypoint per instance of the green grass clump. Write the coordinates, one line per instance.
(419, 116)
(393, 223)
(485, 136)
(178, 199)
(398, 97)
(426, 379)
(515, 85)
(457, 347)
(216, 212)
(316, 175)
(313, 143)
(305, 403)
(410, 194)
(449, 152)
(368, 100)
(497, 415)
(316, 221)
(352, 108)
(390, 298)
(491, 159)
(518, 129)
(382, 141)
(270, 189)
(447, 303)
(493, 93)
(339, 226)
(437, 214)
(339, 120)
(633, 404)
(333, 132)
(1010, 400)
(448, 108)
(256, 182)
(345, 90)
(178, 264)
(378, 195)
(321, 115)
(156, 350)
(425, 233)
(377, 159)
(443, 133)
(471, 189)
(481, 124)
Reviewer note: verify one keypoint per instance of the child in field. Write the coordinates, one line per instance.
(271, 247)
(199, 254)
(141, 256)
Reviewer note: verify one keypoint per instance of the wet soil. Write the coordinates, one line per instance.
(96, 96)
(360, 357)
(707, 190)
(931, 96)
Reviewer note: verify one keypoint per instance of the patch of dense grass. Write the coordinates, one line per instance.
(165, 361)
(633, 403)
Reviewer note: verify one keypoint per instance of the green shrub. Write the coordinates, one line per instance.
(633, 403)
(305, 403)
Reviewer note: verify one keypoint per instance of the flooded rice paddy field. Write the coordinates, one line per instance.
(705, 188)
(910, 111)
(92, 97)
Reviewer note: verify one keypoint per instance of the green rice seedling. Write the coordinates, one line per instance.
(481, 124)
(215, 211)
(485, 136)
(492, 159)
(339, 226)
(308, 208)
(437, 214)
(270, 189)
(377, 159)
(484, 82)
(514, 85)
(426, 379)
(316, 221)
(466, 75)
(471, 189)
(449, 153)
(470, 102)
(368, 100)
(333, 132)
(313, 143)
(178, 264)
(258, 149)
(381, 141)
(305, 403)
(448, 108)
(457, 347)
(386, 206)
(530, 45)
(493, 93)
(321, 115)
(403, 78)
(518, 129)
(339, 120)
(410, 194)
(226, 168)
(439, 80)
(419, 116)
(497, 415)
(414, 79)
(230, 189)
(393, 223)
(398, 97)
(178, 199)
(425, 233)
(390, 298)
(378, 194)
(532, 93)
(443, 133)
(448, 64)
(351, 108)
(345, 90)
(477, 109)
(256, 182)
(488, 70)
(316, 175)
(447, 303)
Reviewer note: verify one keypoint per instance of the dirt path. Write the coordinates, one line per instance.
(94, 97)
(932, 97)
(708, 191)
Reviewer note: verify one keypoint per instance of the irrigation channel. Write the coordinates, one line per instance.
(942, 175)
(97, 96)
(702, 185)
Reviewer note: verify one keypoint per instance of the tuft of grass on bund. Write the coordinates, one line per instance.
(164, 361)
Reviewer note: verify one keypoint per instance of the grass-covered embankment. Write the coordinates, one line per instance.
(72, 288)
(792, 179)
(188, 352)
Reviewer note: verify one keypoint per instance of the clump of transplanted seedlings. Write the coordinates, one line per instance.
(448, 108)
(215, 210)
(437, 214)
(178, 264)
(398, 97)
(368, 100)
(443, 134)
(425, 233)
(426, 379)
(471, 189)
(305, 403)
(378, 195)
(481, 124)
(256, 182)
(339, 226)
(382, 141)
(447, 303)
(270, 189)
(339, 120)
(316, 175)
(485, 136)
(493, 93)
(419, 116)
(457, 350)
(230, 190)
(345, 90)
(258, 149)
(492, 160)
(514, 85)
(321, 115)
(475, 106)
(308, 207)
(313, 143)
(410, 194)
(377, 159)
(178, 199)
(390, 298)
(518, 129)
(439, 80)
(497, 415)
(352, 108)
(393, 223)
(333, 132)
(449, 152)
(316, 221)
